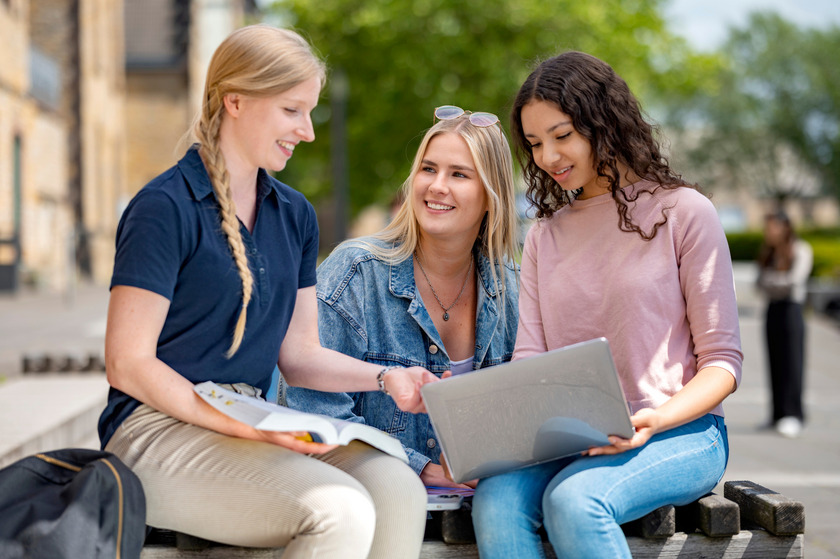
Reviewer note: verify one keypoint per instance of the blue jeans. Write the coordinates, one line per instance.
(582, 501)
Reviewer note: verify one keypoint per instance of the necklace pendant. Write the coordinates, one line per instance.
(446, 316)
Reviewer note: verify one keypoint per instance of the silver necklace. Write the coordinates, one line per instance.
(458, 298)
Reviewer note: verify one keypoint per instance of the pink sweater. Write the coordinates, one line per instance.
(667, 306)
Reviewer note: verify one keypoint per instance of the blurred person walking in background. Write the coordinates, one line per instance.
(784, 265)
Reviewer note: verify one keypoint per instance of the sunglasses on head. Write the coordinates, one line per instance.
(451, 112)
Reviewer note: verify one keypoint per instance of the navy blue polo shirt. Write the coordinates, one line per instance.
(170, 241)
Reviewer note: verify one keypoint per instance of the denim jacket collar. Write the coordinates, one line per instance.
(401, 284)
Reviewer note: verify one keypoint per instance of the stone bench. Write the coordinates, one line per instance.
(748, 521)
(42, 412)
(62, 363)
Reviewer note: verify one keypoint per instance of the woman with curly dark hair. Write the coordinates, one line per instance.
(625, 249)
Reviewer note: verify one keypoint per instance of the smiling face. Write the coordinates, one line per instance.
(560, 150)
(265, 130)
(449, 199)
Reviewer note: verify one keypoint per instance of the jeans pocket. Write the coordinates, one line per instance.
(724, 437)
(718, 434)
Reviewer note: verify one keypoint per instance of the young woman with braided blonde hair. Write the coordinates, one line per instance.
(214, 279)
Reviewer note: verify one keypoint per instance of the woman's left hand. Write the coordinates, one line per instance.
(698, 397)
(646, 422)
(404, 387)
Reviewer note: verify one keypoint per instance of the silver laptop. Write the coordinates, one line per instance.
(528, 411)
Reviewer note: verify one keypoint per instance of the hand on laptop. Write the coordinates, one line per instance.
(434, 475)
(404, 387)
(644, 422)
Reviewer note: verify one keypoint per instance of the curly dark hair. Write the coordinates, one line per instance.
(605, 112)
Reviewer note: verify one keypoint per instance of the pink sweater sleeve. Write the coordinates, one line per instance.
(708, 286)
(530, 336)
(667, 306)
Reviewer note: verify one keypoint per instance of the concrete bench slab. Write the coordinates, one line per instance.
(46, 412)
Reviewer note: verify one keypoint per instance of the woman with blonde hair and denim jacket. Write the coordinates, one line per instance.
(437, 288)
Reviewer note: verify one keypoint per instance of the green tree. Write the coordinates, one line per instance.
(403, 58)
(774, 114)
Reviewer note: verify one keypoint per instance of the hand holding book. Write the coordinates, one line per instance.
(287, 427)
(298, 441)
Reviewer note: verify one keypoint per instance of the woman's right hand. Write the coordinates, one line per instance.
(433, 475)
(298, 441)
(404, 387)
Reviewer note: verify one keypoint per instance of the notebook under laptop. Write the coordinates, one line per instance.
(528, 411)
(446, 498)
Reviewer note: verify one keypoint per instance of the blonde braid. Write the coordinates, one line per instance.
(208, 135)
(256, 60)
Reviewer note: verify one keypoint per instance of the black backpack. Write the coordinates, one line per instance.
(73, 503)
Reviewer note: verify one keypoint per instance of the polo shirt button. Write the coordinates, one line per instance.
(433, 349)
(262, 271)
(431, 443)
(253, 251)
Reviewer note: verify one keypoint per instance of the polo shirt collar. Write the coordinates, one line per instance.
(198, 181)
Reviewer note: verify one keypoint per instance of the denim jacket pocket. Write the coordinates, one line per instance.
(398, 423)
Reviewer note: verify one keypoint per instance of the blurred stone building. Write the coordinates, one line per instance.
(62, 138)
(168, 47)
(94, 96)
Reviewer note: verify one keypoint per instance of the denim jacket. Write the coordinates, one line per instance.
(372, 311)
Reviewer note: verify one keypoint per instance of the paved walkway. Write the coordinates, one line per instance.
(34, 323)
(806, 468)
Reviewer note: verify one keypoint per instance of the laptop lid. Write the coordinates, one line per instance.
(513, 415)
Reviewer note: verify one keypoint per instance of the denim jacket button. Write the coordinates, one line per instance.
(433, 349)
(431, 443)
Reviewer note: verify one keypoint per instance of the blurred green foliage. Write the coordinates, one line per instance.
(744, 245)
(403, 58)
(825, 243)
(774, 113)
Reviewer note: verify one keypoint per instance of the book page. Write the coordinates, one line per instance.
(272, 417)
(265, 415)
(348, 431)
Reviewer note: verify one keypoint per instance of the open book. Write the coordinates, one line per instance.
(272, 417)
